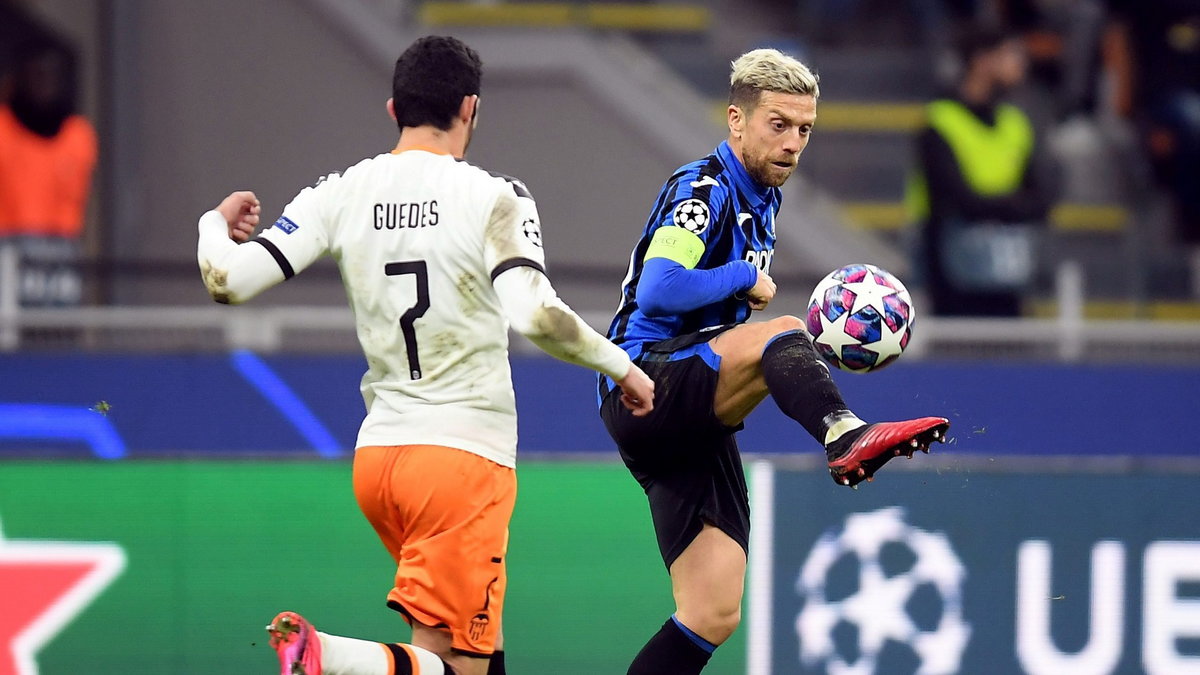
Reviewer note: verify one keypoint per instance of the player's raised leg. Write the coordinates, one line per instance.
(776, 357)
(742, 383)
(303, 650)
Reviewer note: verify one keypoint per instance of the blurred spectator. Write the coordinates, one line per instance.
(981, 190)
(1062, 39)
(47, 154)
(847, 21)
(1154, 52)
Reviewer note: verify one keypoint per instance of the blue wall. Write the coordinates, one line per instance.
(310, 405)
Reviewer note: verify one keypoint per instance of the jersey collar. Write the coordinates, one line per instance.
(423, 148)
(749, 188)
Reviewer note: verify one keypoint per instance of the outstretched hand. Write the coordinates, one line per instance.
(637, 391)
(240, 210)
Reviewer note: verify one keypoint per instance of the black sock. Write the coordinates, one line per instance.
(800, 383)
(496, 665)
(670, 652)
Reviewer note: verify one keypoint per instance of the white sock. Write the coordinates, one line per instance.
(348, 656)
(843, 424)
(351, 656)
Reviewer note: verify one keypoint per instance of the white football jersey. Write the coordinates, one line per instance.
(418, 238)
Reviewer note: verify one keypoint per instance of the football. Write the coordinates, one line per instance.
(860, 318)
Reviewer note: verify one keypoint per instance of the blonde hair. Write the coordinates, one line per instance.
(769, 70)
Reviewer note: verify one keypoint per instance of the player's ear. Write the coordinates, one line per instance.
(736, 120)
(391, 108)
(468, 109)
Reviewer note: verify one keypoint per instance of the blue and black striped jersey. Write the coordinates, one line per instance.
(734, 217)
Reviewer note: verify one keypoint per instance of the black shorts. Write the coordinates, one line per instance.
(685, 459)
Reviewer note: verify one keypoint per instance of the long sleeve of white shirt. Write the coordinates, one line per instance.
(534, 310)
(233, 273)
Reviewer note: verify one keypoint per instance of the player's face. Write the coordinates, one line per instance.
(773, 134)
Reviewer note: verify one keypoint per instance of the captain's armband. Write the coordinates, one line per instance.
(677, 244)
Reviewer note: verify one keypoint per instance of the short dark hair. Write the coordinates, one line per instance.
(972, 39)
(431, 78)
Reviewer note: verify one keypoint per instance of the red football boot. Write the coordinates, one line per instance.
(859, 453)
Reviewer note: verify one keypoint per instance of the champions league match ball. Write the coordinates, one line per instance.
(860, 318)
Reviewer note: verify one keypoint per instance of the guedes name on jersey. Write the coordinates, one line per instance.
(406, 215)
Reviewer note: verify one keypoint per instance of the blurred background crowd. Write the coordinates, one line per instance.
(1004, 157)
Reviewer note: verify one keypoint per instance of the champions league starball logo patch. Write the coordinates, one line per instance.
(691, 215)
(881, 582)
(532, 232)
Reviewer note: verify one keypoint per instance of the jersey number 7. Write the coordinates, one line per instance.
(417, 268)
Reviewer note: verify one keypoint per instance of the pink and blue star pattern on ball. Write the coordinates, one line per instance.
(860, 318)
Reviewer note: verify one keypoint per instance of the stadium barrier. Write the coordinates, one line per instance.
(271, 329)
(1063, 331)
(243, 403)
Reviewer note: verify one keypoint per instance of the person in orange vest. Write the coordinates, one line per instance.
(47, 155)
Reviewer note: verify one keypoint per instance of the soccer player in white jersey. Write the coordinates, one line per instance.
(438, 258)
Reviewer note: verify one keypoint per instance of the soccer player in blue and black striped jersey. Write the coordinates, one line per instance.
(698, 272)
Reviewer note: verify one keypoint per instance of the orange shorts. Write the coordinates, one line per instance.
(443, 514)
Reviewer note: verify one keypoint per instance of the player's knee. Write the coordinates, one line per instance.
(726, 623)
(786, 323)
(719, 622)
